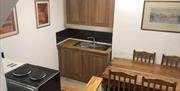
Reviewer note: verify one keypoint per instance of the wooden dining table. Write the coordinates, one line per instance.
(153, 71)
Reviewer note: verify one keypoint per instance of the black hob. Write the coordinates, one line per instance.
(31, 75)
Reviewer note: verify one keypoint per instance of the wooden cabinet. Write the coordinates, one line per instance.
(102, 12)
(93, 64)
(81, 65)
(71, 63)
(90, 12)
(76, 10)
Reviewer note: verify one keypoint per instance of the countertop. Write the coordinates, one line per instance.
(70, 44)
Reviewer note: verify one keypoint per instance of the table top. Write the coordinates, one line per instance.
(155, 71)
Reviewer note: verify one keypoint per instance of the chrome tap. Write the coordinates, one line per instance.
(93, 41)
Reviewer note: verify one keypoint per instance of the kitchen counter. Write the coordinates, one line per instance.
(70, 44)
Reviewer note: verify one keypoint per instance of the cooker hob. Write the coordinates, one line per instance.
(31, 75)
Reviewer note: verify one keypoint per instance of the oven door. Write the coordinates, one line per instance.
(16, 86)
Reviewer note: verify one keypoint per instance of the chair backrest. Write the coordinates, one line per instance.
(157, 85)
(119, 81)
(171, 61)
(143, 56)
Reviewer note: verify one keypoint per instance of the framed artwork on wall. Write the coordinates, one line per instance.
(42, 13)
(161, 16)
(10, 26)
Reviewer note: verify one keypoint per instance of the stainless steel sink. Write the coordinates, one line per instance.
(91, 45)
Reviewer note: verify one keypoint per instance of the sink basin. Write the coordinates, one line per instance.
(90, 45)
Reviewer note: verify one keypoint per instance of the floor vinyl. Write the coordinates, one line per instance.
(71, 85)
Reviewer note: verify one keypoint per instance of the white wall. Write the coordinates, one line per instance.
(127, 34)
(32, 45)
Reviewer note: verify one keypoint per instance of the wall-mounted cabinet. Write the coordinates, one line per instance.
(75, 11)
(90, 12)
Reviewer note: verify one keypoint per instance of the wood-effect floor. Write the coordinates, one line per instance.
(71, 85)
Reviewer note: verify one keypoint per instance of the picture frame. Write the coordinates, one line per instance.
(10, 26)
(163, 16)
(42, 9)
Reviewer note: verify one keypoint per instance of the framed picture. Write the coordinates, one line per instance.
(161, 16)
(42, 13)
(10, 26)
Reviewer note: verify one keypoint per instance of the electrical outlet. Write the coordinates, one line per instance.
(2, 55)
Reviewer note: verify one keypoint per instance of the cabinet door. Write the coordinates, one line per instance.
(102, 12)
(76, 11)
(93, 64)
(71, 63)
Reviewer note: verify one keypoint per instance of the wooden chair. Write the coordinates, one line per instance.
(119, 81)
(157, 85)
(171, 61)
(143, 56)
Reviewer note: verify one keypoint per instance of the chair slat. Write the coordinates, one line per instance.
(156, 83)
(171, 61)
(121, 85)
(143, 56)
(129, 84)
